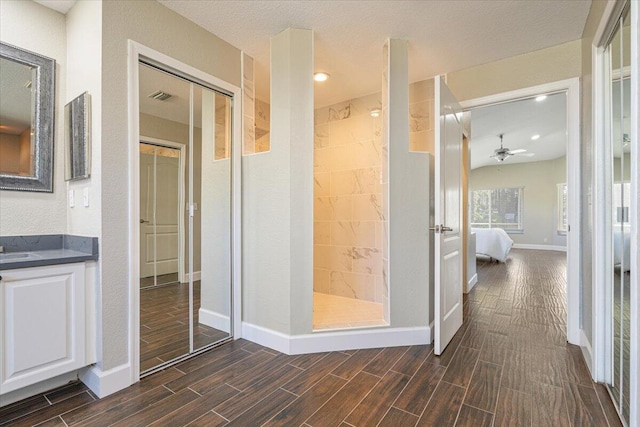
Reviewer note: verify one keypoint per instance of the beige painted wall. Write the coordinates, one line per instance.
(159, 28)
(25, 152)
(84, 62)
(277, 198)
(530, 69)
(36, 28)
(9, 153)
(540, 206)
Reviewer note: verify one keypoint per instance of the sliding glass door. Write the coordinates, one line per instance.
(185, 217)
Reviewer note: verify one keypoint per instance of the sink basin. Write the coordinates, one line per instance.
(18, 256)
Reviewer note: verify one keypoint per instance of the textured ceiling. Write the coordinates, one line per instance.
(443, 36)
(519, 121)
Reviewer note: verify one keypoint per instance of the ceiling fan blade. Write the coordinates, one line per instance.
(524, 154)
(519, 150)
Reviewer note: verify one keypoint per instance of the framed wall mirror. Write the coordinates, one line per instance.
(27, 97)
(77, 138)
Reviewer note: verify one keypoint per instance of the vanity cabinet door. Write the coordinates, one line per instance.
(42, 324)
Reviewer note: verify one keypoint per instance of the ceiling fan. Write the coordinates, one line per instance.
(501, 154)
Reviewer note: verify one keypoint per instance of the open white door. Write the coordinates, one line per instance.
(448, 217)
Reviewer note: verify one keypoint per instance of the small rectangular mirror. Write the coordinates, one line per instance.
(27, 84)
(77, 138)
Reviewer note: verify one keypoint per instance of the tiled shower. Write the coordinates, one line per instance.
(348, 215)
(349, 279)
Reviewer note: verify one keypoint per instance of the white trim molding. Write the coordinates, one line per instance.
(103, 383)
(540, 247)
(572, 88)
(336, 340)
(472, 282)
(214, 320)
(196, 277)
(587, 353)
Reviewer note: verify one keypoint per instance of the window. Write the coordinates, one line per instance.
(562, 208)
(497, 208)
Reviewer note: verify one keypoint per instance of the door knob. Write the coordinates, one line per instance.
(142, 221)
(440, 228)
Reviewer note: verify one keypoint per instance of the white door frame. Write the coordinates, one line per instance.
(181, 197)
(135, 52)
(601, 180)
(572, 88)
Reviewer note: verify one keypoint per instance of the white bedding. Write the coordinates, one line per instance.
(493, 242)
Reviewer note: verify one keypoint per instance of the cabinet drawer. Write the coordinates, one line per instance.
(42, 326)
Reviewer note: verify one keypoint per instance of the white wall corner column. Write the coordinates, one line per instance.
(406, 200)
(278, 200)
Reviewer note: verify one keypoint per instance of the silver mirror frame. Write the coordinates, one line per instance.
(43, 122)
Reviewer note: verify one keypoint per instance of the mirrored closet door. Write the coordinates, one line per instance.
(618, 56)
(185, 217)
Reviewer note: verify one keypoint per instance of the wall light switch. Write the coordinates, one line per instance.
(85, 197)
(72, 199)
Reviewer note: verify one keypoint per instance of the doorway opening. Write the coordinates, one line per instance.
(523, 179)
(161, 225)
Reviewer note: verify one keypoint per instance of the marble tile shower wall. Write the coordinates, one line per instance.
(262, 126)
(348, 210)
(255, 113)
(421, 105)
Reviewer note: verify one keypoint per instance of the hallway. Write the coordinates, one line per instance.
(509, 365)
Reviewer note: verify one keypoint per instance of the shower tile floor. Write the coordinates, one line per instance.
(334, 312)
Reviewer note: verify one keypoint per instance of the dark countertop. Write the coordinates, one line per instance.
(36, 251)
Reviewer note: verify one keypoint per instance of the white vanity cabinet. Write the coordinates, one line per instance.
(42, 324)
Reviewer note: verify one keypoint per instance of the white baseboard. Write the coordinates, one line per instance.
(196, 276)
(472, 282)
(214, 320)
(336, 340)
(41, 387)
(540, 247)
(585, 346)
(103, 383)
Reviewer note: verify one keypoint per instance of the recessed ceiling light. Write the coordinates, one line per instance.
(534, 137)
(541, 98)
(320, 77)
(375, 112)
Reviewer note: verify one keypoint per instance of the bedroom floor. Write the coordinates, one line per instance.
(509, 365)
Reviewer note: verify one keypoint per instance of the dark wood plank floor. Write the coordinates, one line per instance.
(509, 365)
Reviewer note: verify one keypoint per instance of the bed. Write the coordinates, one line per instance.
(493, 242)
